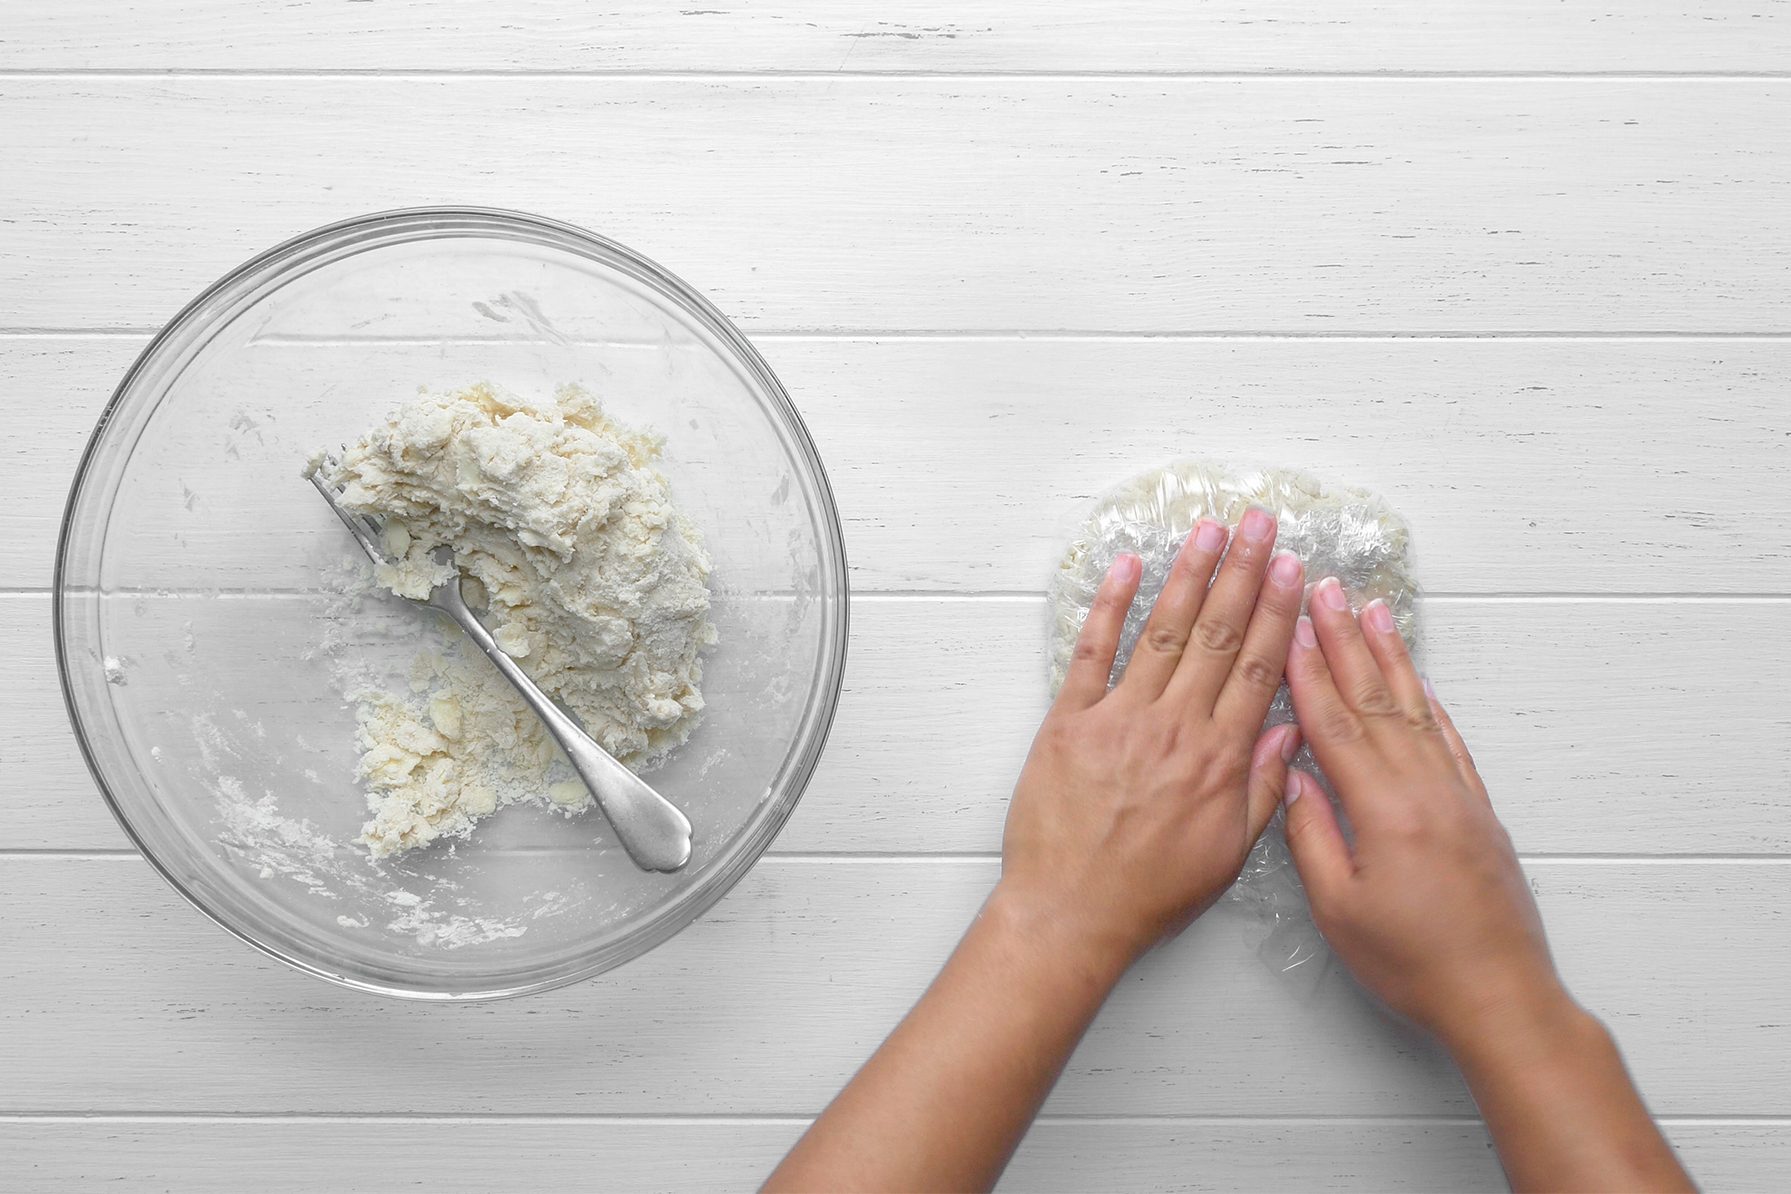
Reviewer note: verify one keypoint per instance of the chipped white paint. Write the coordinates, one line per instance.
(995, 36)
(1302, 205)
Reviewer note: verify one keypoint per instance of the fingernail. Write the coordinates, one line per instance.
(1209, 535)
(1330, 593)
(1284, 569)
(1303, 633)
(1378, 617)
(1126, 568)
(1430, 690)
(1290, 744)
(1292, 792)
(1256, 525)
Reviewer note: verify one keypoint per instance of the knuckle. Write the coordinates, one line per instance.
(1312, 660)
(1373, 700)
(1243, 554)
(1299, 829)
(1217, 636)
(1340, 725)
(1208, 782)
(1308, 664)
(1221, 774)
(1165, 639)
(1164, 736)
(1258, 672)
(1283, 601)
(1422, 721)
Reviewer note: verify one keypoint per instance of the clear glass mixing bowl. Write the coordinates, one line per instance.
(205, 598)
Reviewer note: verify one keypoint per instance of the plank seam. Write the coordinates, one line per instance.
(895, 857)
(1030, 335)
(727, 1118)
(893, 596)
(796, 73)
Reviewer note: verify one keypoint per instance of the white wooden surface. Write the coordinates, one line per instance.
(1521, 264)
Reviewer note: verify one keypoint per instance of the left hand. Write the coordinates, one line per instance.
(1137, 806)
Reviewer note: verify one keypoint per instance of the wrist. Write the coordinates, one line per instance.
(1096, 953)
(1529, 1028)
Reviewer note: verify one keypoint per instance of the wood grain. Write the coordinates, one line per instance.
(813, 35)
(115, 997)
(820, 204)
(1002, 255)
(1580, 466)
(1602, 727)
(305, 1155)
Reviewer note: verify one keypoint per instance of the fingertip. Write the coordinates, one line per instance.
(1314, 838)
(1097, 643)
(1290, 742)
(1257, 525)
(1285, 569)
(1280, 743)
(1304, 636)
(1268, 775)
(1378, 617)
(1307, 669)
(1209, 536)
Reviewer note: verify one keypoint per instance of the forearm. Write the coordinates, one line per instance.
(947, 1098)
(1560, 1104)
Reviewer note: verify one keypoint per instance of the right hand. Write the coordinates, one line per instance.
(1430, 910)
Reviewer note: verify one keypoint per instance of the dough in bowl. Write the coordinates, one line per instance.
(588, 576)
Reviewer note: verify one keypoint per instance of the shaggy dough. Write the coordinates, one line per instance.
(586, 574)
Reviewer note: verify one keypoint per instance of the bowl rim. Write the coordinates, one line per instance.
(729, 867)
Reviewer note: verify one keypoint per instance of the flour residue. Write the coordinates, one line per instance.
(283, 849)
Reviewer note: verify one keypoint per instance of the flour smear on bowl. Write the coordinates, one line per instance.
(581, 567)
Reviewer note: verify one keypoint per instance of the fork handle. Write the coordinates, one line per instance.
(651, 828)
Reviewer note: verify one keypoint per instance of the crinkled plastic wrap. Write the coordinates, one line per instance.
(1338, 531)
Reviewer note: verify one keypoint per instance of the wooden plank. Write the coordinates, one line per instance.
(813, 35)
(1582, 466)
(1340, 205)
(1556, 465)
(113, 997)
(305, 1155)
(63, 385)
(1602, 727)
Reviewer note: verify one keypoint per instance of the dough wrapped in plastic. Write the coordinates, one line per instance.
(1336, 530)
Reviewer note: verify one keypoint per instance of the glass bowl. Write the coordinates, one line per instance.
(206, 599)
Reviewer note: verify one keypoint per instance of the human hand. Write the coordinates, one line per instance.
(1137, 806)
(1430, 910)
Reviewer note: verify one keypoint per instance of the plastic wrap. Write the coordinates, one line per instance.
(1348, 533)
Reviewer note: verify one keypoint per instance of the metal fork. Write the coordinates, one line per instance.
(651, 828)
